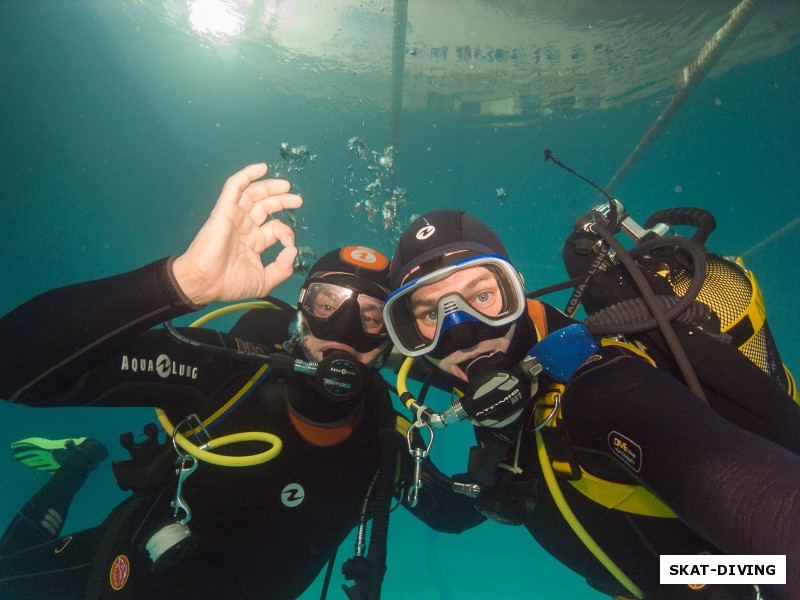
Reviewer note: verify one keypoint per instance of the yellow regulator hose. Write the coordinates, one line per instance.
(224, 460)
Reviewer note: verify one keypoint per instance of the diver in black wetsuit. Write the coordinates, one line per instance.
(630, 447)
(260, 531)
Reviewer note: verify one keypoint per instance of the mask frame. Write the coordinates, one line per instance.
(452, 308)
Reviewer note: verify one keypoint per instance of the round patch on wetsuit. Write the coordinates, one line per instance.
(292, 495)
(119, 573)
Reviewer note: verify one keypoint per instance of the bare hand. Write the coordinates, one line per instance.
(223, 262)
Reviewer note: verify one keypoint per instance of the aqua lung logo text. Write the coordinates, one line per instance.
(342, 371)
(597, 265)
(163, 365)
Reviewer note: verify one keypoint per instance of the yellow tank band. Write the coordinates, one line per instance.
(792, 385)
(756, 311)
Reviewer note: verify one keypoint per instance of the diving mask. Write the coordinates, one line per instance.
(455, 307)
(335, 311)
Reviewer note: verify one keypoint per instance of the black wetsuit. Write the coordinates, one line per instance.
(266, 530)
(718, 476)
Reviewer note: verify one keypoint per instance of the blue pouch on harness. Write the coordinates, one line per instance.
(562, 352)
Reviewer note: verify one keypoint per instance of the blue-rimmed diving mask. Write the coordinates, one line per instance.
(455, 307)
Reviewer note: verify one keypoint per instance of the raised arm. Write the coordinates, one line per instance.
(54, 338)
(223, 263)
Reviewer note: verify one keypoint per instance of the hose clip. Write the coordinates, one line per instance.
(418, 454)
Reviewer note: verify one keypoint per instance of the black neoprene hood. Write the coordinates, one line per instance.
(360, 261)
(440, 238)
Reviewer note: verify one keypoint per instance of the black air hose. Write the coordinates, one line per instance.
(368, 572)
(381, 507)
(664, 325)
(633, 316)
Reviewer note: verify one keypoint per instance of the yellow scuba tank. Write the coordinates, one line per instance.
(732, 292)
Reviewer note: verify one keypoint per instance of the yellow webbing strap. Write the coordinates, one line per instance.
(402, 425)
(630, 347)
(620, 496)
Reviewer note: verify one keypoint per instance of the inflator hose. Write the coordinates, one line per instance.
(276, 445)
(223, 459)
(575, 524)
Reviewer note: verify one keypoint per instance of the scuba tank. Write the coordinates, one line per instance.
(717, 293)
(623, 291)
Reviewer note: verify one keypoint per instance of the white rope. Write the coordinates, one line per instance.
(166, 538)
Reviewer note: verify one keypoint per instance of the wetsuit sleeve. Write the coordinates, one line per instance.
(736, 489)
(50, 341)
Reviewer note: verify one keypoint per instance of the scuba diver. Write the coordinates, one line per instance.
(591, 436)
(203, 523)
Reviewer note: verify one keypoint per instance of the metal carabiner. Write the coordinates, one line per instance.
(556, 406)
(195, 429)
(418, 454)
(183, 472)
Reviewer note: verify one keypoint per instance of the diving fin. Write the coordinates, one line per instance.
(50, 455)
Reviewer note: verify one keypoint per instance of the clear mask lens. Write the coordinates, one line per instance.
(323, 301)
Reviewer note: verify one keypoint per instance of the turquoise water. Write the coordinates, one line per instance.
(118, 129)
